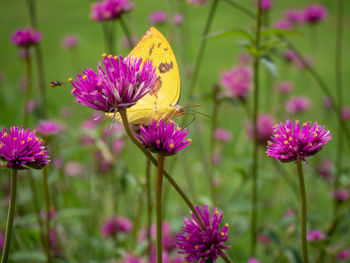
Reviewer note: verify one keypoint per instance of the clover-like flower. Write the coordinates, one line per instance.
(289, 142)
(110, 9)
(25, 37)
(200, 244)
(20, 149)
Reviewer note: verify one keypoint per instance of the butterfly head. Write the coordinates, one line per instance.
(179, 110)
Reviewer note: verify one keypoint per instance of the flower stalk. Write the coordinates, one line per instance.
(28, 88)
(149, 206)
(126, 31)
(47, 214)
(158, 207)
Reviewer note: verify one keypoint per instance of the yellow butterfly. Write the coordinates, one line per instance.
(161, 101)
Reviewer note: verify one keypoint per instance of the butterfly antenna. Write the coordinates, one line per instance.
(190, 106)
(203, 114)
(193, 119)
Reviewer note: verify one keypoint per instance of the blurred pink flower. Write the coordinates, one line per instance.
(265, 128)
(222, 135)
(244, 59)
(285, 87)
(31, 106)
(315, 235)
(114, 225)
(130, 258)
(236, 81)
(70, 41)
(294, 16)
(266, 5)
(118, 146)
(198, 2)
(158, 17)
(343, 254)
(264, 239)
(25, 37)
(110, 9)
(52, 213)
(49, 128)
(74, 169)
(325, 168)
(327, 103)
(178, 19)
(315, 13)
(297, 105)
(345, 113)
(308, 62)
(253, 260)
(341, 195)
(216, 159)
(2, 240)
(57, 163)
(290, 55)
(168, 238)
(283, 24)
(289, 213)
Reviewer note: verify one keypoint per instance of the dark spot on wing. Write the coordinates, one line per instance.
(157, 85)
(151, 50)
(159, 44)
(165, 49)
(165, 67)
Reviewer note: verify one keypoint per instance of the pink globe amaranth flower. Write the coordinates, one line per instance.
(315, 235)
(25, 37)
(345, 113)
(49, 128)
(264, 239)
(297, 105)
(118, 146)
(285, 87)
(153, 256)
(289, 142)
(343, 254)
(283, 24)
(244, 59)
(216, 159)
(74, 169)
(294, 16)
(315, 13)
(200, 245)
(130, 258)
(126, 43)
(290, 55)
(178, 19)
(57, 163)
(20, 149)
(265, 128)
(266, 5)
(328, 103)
(163, 137)
(325, 168)
(253, 260)
(70, 41)
(158, 17)
(31, 106)
(198, 3)
(340, 195)
(110, 9)
(119, 82)
(114, 225)
(236, 81)
(222, 135)
(176, 259)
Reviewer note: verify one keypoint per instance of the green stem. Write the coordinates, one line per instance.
(28, 88)
(254, 212)
(126, 32)
(303, 211)
(201, 48)
(47, 216)
(137, 221)
(149, 207)
(158, 204)
(226, 258)
(10, 217)
(108, 36)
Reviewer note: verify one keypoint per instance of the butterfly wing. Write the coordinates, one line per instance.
(166, 91)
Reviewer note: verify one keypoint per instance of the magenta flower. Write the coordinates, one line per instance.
(2, 240)
(325, 168)
(315, 235)
(236, 81)
(25, 37)
(294, 16)
(130, 258)
(119, 82)
(114, 225)
(345, 113)
(244, 59)
(198, 3)
(289, 142)
(158, 17)
(290, 55)
(168, 239)
(264, 239)
(265, 128)
(285, 87)
(20, 149)
(49, 128)
(266, 5)
(297, 105)
(253, 260)
(70, 41)
(178, 19)
(110, 9)
(340, 195)
(283, 24)
(201, 245)
(315, 13)
(328, 103)
(163, 138)
(343, 254)
(222, 135)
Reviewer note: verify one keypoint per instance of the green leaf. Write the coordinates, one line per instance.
(230, 32)
(277, 31)
(28, 256)
(270, 65)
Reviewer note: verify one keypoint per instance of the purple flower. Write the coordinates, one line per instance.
(110, 9)
(315, 235)
(265, 128)
(114, 225)
(343, 254)
(2, 240)
(222, 135)
(163, 138)
(237, 81)
(70, 41)
(266, 5)
(178, 19)
(129, 258)
(340, 195)
(21, 148)
(294, 16)
(284, 87)
(315, 13)
(119, 82)
(244, 59)
(198, 3)
(168, 239)
(297, 105)
(201, 245)
(253, 260)
(345, 113)
(283, 24)
(157, 17)
(290, 55)
(49, 128)
(264, 239)
(325, 168)
(328, 103)
(25, 37)
(289, 142)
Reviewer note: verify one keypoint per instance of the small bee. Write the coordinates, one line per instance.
(54, 84)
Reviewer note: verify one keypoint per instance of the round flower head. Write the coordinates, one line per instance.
(340, 195)
(222, 135)
(315, 235)
(201, 245)
(49, 128)
(345, 113)
(264, 127)
(21, 148)
(163, 137)
(70, 41)
(158, 17)
(297, 105)
(343, 254)
(119, 82)
(283, 24)
(294, 16)
(25, 37)
(253, 260)
(327, 103)
(289, 142)
(285, 87)
(236, 81)
(2, 240)
(266, 5)
(178, 19)
(198, 3)
(114, 225)
(130, 258)
(325, 168)
(110, 9)
(315, 13)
